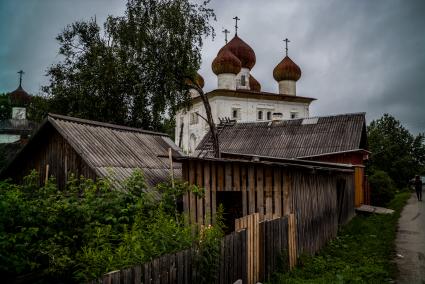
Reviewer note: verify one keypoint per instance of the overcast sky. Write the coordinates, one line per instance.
(355, 56)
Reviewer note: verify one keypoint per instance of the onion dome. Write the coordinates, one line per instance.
(287, 70)
(242, 51)
(226, 62)
(254, 85)
(19, 97)
(198, 81)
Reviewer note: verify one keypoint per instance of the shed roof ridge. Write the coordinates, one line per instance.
(298, 119)
(104, 124)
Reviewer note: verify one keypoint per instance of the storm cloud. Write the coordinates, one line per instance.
(355, 56)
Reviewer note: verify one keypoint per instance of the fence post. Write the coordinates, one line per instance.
(292, 240)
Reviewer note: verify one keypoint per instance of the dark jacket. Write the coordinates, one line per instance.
(418, 185)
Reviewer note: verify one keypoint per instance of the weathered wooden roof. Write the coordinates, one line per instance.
(113, 150)
(298, 138)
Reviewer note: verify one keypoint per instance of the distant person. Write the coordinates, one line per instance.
(418, 187)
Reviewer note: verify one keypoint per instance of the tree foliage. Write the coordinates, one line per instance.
(77, 234)
(133, 71)
(5, 107)
(395, 150)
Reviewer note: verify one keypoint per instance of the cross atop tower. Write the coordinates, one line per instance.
(236, 24)
(225, 31)
(20, 77)
(286, 40)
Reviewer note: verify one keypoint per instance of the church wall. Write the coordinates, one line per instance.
(222, 107)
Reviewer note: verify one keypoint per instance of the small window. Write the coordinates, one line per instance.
(193, 118)
(269, 115)
(236, 113)
(294, 115)
(260, 115)
(243, 80)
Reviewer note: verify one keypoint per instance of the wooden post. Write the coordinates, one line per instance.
(170, 156)
(46, 179)
(358, 186)
(292, 240)
(287, 195)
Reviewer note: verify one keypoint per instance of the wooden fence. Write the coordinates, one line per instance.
(258, 248)
(181, 267)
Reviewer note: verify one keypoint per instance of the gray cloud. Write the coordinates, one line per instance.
(355, 55)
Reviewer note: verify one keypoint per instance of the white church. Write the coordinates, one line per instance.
(238, 95)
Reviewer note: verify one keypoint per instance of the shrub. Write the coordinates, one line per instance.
(87, 229)
(382, 188)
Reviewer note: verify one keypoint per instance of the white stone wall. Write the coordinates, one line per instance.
(287, 87)
(226, 81)
(223, 107)
(244, 72)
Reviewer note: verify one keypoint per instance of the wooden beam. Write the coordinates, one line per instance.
(277, 190)
(207, 186)
(260, 190)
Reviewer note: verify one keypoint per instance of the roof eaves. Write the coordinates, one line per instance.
(104, 124)
(335, 153)
(293, 163)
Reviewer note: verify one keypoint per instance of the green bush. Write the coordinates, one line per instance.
(382, 188)
(87, 229)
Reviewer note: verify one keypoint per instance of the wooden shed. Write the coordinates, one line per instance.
(335, 139)
(64, 145)
(320, 194)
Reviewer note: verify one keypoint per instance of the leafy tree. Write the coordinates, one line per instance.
(5, 107)
(395, 150)
(133, 73)
(38, 108)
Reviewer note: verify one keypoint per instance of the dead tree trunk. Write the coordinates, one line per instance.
(210, 121)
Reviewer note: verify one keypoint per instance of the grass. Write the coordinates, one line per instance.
(361, 253)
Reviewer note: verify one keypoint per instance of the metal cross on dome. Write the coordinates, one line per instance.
(225, 31)
(236, 24)
(286, 40)
(20, 72)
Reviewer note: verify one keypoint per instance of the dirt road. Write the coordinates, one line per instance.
(411, 243)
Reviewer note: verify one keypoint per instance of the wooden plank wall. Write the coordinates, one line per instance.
(261, 187)
(55, 152)
(275, 191)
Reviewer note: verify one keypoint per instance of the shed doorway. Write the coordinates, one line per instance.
(340, 196)
(232, 204)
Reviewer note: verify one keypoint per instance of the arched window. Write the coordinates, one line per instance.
(269, 115)
(192, 143)
(243, 80)
(260, 115)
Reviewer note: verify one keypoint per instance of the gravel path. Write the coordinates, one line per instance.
(411, 242)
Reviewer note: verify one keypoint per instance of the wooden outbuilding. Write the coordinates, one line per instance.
(321, 195)
(335, 139)
(64, 145)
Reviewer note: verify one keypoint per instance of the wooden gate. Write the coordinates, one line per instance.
(257, 245)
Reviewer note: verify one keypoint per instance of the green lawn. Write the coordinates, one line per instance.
(362, 252)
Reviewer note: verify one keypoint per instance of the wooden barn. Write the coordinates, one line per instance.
(320, 194)
(64, 145)
(335, 139)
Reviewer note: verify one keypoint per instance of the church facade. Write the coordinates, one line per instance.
(238, 95)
